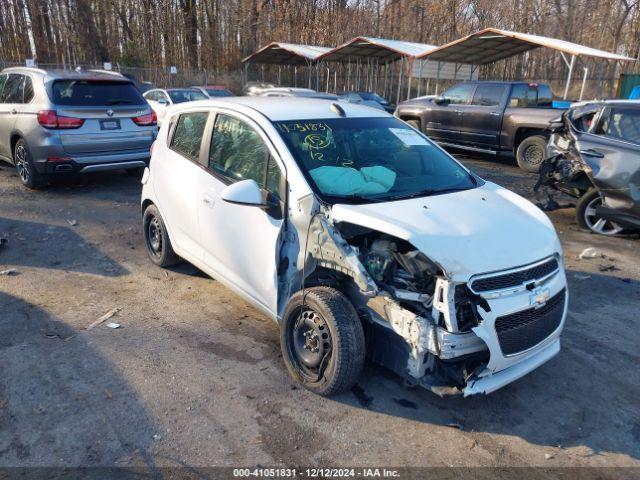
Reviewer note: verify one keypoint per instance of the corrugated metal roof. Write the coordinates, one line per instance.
(492, 44)
(287, 54)
(383, 49)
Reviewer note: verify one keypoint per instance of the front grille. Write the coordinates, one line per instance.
(522, 330)
(516, 278)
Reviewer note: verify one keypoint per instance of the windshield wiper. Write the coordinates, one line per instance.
(425, 193)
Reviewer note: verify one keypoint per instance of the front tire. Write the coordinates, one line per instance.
(589, 220)
(322, 340)
(27, 172)
(157, 239)
(531, 153)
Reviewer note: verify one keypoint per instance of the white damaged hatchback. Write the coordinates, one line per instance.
(361, 238)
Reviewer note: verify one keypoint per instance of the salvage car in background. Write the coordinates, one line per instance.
(56, 122)
(489, 117)
(161, 99)
(368, 98)
(295, 92)
(214, 91)
(360, 237)
(594, 156)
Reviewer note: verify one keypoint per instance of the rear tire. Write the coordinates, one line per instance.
(587, 218)
(157, 239)
(27, 172)
(531, 153)
(322, 340)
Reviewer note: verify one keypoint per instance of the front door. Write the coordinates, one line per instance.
(241, 242)
(445, 120)
(612, 153)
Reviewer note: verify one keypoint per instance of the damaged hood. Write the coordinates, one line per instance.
(481, 230)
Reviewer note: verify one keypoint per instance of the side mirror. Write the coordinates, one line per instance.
(441, 100)
(244, 192)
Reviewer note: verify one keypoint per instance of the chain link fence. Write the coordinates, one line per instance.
(161, 77)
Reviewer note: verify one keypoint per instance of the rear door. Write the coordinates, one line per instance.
(240, 242)
(177, 173)
(445, 120)
(11, 97)
(482, 119)
(109, 109)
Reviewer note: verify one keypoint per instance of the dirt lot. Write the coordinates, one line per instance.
(194, 376)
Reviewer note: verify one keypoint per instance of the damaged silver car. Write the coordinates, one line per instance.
(361, 238)
(594, 157)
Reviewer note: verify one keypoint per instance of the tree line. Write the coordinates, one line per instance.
(217, 34)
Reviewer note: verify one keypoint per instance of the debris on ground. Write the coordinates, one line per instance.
(9, 271)
(608, 268)
(580, 276)
(73, 223)
(548, 456)
(157, 437)
(103, 318)
(455, 425)
(113, 325)
(589, 252)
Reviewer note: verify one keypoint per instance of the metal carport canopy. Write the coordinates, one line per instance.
(382, 49)
(279, 53)
(492, 44)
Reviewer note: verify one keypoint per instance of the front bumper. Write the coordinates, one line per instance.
(490, 382)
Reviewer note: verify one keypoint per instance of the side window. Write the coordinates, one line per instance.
(3, 80)
(460, 94)
(28, 89)
(150, 95)
(525, 96)
(237, 151)
(274, 176)
(488, 95)
(13, 89)
(162, 97)
(545, 96)
(187, 135)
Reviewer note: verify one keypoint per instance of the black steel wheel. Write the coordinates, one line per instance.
(322, 340)
(157, 239)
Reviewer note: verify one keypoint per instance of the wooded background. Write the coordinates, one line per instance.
(217, 34)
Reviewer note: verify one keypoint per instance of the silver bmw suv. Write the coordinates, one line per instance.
(55, 122)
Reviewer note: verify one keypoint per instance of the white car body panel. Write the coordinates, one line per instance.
(468, 233)
(459, 230)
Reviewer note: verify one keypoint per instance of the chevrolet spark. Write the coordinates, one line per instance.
(361, 238)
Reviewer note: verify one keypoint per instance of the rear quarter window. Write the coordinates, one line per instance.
(95, 93)
(187, 134)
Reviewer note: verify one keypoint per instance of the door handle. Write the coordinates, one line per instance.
(208, 201)
(13, 111)
(591, 153)
(494, 114)
(457, 111)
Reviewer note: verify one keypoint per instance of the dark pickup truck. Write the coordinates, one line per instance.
(489, 117)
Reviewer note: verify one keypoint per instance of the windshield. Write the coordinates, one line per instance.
(365, 160)
(372, 96)
(180, 96)
(219, 92)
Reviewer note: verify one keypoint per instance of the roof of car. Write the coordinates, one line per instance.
(615, 101)
(289, 108)
(58, 74)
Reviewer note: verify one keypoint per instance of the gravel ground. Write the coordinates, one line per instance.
(193, 377)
